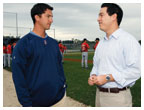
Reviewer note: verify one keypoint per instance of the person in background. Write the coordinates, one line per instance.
(65, 48)
(4, 55)
(61, 47)
(117, 60)
(37, 68)
(9, 52)
(96, 44)
(84, 50)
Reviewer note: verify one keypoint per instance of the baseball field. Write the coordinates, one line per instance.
(77, 78)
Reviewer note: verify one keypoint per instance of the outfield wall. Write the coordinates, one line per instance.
(71, 51)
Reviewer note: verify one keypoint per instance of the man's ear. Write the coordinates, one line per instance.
(37, 18)
(114, 16)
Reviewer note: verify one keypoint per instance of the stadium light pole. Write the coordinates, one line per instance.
(16, 25)
(16, 22)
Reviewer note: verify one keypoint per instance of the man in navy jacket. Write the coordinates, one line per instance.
(36, 63)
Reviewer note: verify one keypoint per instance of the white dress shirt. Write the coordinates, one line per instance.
(120, 55)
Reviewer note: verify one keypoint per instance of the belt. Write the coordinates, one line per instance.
(112, 90)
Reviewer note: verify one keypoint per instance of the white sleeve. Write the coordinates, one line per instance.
(132, 71)
(94, 69)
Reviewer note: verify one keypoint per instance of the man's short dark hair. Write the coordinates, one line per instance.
(84, 39)
(39, 9)
(114, 9)
(97, 39)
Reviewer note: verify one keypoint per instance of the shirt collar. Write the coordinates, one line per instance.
(114, 35)
(38, 35)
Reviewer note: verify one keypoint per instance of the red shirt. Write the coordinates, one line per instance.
(9, 49)
(4, 49)
(96, 45)
(65, 47)
(61, 47)
(84, 47)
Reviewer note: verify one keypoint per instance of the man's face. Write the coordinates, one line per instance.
(104, 19)
(46, 19)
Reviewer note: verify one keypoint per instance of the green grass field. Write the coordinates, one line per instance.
(78, 87)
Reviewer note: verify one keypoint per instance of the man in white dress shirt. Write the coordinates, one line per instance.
(116, 65)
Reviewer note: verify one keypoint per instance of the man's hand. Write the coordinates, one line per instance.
(91, 80)
(100, 80)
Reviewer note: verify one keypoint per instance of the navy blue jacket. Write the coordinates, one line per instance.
(37, 71)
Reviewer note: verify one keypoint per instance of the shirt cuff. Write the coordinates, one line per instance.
(93, 73)
(119, 79)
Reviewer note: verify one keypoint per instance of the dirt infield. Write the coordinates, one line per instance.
(10, 98)
(76, 60)
(9, 93)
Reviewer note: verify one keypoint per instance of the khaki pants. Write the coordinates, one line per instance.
(61, 103)
(106, 99)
